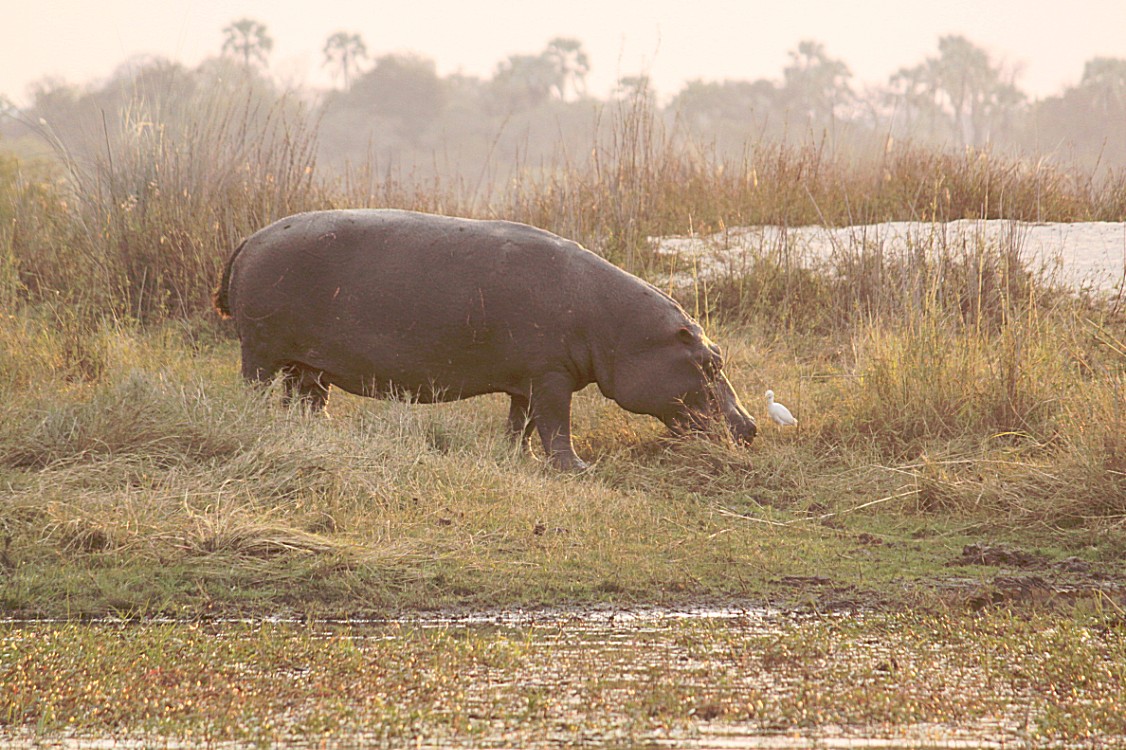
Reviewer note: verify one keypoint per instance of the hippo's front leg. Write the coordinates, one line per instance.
(550, 407)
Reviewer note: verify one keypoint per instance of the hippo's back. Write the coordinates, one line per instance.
(400, 254)
(408, 297)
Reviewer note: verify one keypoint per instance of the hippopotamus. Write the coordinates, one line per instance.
(391, 303)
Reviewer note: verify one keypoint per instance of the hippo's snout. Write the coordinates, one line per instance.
(739, 421)
(742, 426)
(717, 403)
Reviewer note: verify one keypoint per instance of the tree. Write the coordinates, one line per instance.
(633, 88)
(705, 105)
(914, 92)
(963, 73)
(1085, 121)
(815, 83)
(961, 92)
(729, 114)
(225, 77)
(344, 51)
(570, 62)
(404, 89)
(1104, 80)
(526, 81)
(249, 39)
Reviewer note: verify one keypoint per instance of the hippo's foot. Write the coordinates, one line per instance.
(570, 463)
(549, 409)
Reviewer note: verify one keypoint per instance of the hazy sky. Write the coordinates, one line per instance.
(672, 40)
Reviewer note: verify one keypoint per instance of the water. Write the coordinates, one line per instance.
(696, 677)
(1083, 255)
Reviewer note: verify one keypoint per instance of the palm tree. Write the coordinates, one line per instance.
(816, 83)
(571, 62)
(961, 70)
(345, 51)
(248, 38)
(963, 94)
(914, 88)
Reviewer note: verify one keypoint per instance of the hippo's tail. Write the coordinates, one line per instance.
(221, 296)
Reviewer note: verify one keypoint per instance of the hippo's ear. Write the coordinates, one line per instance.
(685, 335)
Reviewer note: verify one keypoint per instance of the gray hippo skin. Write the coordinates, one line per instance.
(434, 308)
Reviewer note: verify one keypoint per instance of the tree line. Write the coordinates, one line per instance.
(395, 111)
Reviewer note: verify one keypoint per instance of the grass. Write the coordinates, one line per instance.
(166, 487)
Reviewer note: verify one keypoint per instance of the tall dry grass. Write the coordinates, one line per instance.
(642, 178)
(139, 228)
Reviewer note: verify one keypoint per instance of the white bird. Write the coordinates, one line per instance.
(778, 412)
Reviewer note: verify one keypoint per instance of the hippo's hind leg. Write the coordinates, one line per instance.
(550, 407)
(520, 422)
(299, 382)
(258, 368)
(306, 386)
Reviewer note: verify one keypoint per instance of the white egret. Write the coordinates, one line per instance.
(778, 412)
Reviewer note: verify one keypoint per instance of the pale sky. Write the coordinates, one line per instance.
(83, 41)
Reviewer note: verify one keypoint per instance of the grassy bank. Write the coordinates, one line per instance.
(944, 399)
(165, 487)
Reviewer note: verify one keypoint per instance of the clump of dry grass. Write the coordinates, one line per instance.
(141, 227)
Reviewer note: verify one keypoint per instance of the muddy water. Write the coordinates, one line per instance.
(681, 678)
(689, 653)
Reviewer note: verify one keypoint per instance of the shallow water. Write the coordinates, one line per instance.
(663, 678)
(1083, 255)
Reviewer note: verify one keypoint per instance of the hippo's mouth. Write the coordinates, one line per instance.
(715, 421)
(745, 432)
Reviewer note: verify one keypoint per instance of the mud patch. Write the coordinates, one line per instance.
(999, 555)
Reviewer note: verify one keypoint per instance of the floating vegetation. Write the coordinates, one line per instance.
(601, 677)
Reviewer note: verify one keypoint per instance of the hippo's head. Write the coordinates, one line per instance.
(678, 377)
